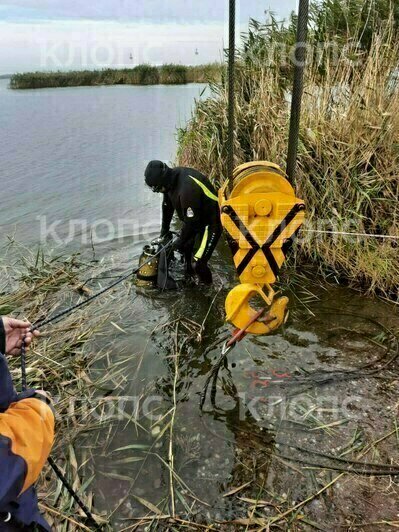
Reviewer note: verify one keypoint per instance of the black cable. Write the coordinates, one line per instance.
(24, 384)
(330, 376)
(73, 494)
(297, 91)
(354, 466)
(231, 95)
(41, 323)
(213, 374)
(340, 459)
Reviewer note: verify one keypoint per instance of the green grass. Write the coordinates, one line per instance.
(140, 75)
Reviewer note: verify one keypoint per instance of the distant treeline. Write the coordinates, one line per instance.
(139, 75)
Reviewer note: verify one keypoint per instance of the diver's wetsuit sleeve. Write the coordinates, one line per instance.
(190, 201)
(167, 214)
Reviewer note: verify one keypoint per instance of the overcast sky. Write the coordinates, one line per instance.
(65, 34)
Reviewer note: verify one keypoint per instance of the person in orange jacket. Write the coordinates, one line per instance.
(26, 438)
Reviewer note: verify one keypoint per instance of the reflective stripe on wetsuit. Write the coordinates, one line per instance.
(209, 240)
(202, 247)
(195, 200)
(204, 241)
(206, 190)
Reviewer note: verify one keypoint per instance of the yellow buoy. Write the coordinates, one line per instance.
(261, 215)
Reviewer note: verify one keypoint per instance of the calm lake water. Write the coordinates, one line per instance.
(71, 172)
(72, 160)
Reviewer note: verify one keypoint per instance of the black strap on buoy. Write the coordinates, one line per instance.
(297, 91)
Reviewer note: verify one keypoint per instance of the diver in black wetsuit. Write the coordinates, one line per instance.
(192, 196)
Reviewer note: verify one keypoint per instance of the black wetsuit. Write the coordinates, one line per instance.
(194, 199)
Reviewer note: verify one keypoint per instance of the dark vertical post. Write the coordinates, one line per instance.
(297, 91)
(231, 117)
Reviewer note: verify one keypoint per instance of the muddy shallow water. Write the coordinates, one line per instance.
(278, 397)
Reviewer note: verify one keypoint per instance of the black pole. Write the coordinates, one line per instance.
(231, 117)
(93, 523)
(297, 91)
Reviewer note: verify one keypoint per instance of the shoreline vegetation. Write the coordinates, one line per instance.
(348, 160)
(66, 364)
(140, 75)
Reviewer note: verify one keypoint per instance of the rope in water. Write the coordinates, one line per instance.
(343, 233)
(354, 466)
(42, 323)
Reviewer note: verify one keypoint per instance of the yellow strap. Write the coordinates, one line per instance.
(205, 189)
(202, 247)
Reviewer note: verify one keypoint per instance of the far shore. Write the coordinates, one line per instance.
(139, 75)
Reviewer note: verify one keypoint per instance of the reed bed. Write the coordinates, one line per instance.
(64, 363)
(140, 75)
(348, 151)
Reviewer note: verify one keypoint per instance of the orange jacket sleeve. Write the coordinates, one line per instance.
(28, 428)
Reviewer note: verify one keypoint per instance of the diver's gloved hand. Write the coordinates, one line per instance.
(162, 239)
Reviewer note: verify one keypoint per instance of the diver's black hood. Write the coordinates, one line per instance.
(158, 175)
